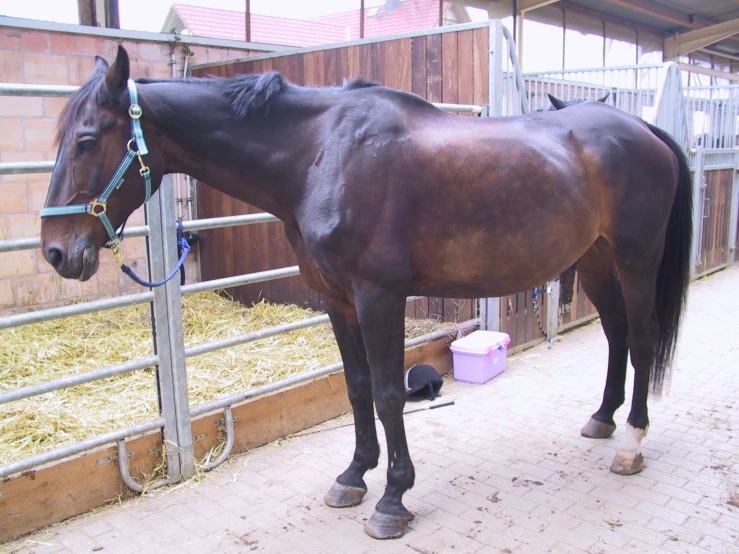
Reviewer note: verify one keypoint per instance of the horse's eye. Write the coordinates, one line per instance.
(85, 145)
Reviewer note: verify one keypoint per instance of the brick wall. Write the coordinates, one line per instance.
(27, 126)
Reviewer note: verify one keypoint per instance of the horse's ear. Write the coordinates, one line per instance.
(604, 98)
(101, 66)
(556, 102)
(115, 80)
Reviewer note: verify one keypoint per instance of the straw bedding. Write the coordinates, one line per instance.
(41, 352)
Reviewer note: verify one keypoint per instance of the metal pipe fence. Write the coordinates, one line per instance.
(713, 116)
(167, 330)
(631, 88)
(645, 91)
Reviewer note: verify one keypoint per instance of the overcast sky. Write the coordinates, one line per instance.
(542, 47)
(148, 15)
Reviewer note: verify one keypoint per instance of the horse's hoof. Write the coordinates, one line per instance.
(344, 496)
(387, 526)
(627, 463)
(595, 429)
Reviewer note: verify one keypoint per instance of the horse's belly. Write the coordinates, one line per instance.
(483, 266)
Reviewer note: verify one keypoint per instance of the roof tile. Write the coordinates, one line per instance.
(410, 15)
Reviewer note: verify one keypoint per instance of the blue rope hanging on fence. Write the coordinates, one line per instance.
(183, 249)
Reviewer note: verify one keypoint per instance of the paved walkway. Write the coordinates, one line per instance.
(504, 470)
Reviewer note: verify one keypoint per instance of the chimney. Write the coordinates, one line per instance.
(391, 6)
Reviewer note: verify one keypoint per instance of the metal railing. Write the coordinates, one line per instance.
(629, 88)
(713, 115)
(176, 415)
(506, 86)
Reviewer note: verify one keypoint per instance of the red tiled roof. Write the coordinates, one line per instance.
(411, 15)
(227, 24)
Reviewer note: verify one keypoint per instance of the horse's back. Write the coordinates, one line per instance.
(462, 206)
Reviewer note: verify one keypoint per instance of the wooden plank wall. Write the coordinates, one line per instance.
(518, 318)
(715, 240)
(447, 67)
(580, 307)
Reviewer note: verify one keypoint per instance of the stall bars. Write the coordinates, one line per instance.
(170, 353)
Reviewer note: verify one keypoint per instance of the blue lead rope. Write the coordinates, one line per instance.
(183, 248)
(537, 292)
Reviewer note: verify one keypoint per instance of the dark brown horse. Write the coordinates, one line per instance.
(384, 196)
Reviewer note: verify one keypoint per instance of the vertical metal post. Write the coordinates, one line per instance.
(490, 307)
(733, 210)
(361, 19)
(495, 84)
(490, 314)
(169, 336)
(552, 323)
(698, 194)
(247, 21)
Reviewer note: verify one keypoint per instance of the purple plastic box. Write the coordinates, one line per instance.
(480, 356)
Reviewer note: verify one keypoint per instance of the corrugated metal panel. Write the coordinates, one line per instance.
(717, 10)
(713, 10)
(603, 6)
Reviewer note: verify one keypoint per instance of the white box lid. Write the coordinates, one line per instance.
(480, 342)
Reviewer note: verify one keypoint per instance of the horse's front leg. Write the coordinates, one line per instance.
(350, 488)
(381, 318)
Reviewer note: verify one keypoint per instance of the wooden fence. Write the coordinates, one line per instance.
(716, 216)
(449, 66)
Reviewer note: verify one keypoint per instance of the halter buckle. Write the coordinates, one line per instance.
(135, 111)
(95, 204)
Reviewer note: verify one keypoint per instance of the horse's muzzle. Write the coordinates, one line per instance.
(81, 263)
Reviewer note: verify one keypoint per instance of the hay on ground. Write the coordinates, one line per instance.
(50, 350)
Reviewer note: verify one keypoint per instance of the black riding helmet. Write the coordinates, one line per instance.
(423, 380)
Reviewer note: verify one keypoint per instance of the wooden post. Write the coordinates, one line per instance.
(361, 19)
(84, 10)
(112, 17)
(247, 20)
(441, 13)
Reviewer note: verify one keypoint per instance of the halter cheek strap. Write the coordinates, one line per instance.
(99, 206)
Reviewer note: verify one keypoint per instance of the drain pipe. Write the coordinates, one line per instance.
(189, 186)
(178, 185)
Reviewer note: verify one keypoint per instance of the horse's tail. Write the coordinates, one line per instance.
(673, 276)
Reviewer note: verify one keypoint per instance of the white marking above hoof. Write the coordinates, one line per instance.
(634, 436)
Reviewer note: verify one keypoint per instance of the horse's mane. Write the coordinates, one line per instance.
(254, 93)
(249, 94)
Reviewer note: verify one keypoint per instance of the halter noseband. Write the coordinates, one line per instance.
(99, 206)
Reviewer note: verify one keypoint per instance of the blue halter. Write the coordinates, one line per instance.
(99, 206)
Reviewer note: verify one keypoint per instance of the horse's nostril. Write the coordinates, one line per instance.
(54, 256)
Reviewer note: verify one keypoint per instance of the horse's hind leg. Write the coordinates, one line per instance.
(598, 277)
(638, 276)
(381, 317)
(350, 488)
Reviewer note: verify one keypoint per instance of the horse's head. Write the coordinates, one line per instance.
(92, 190)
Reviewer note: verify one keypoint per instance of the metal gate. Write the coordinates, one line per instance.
(704, 120)
(170, 353)
(510, 92)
